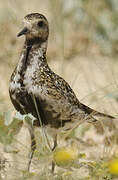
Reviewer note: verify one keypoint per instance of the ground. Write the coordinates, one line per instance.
(87, 61)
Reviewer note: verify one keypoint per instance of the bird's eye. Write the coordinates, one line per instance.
(40, 23)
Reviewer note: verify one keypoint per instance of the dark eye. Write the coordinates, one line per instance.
(40, 24)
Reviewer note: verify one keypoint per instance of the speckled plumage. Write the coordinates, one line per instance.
(36, 89)
(33, 78)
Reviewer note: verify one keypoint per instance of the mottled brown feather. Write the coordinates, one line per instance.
(32, 78)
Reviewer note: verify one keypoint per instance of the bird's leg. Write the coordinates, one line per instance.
(53, 167)
(55, 145)
(33, 146)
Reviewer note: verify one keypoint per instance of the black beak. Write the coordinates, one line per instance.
(23, 32)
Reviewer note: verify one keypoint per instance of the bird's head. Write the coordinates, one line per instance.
(35, 27)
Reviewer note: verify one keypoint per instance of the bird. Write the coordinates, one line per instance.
(34, 88)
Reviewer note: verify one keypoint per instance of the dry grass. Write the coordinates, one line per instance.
(74, 52)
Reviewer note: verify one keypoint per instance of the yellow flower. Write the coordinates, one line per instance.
(66, 155)
(113, 167)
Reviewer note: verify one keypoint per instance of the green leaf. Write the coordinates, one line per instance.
(7, 129)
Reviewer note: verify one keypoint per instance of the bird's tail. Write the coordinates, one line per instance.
(95, 115)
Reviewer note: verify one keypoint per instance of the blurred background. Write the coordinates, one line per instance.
(83, 49)
(83, 46)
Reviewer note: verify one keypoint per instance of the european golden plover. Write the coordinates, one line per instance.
(33, 80)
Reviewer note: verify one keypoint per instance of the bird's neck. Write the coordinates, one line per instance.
(33, 54)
